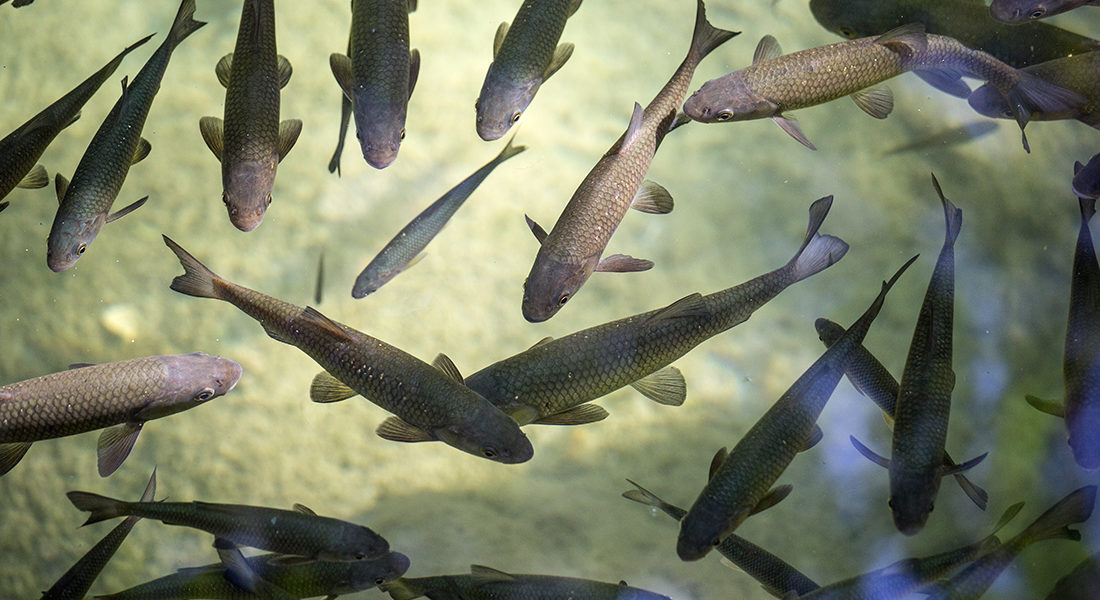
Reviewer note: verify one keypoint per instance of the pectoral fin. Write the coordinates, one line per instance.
(536, 229)
(1050, 407)
(11, 454)
(767, 49)
(326, 389)
(414, 69)
(578, 415)
(213, 130)
(561, 55)
(222, 69)
(870, 454)
(396, 429)
(122, 212)
(876, 101)
(141, 151)
(36, 178)
(445, 364)
(289, 131)
(666, 386)
(964, 466)
(691, 305)
(302, 508)
(621, 263)
(498, 39)
(773, 497)
(341, 69)
(652, 198)
(114, 446)
(791, 127)
(60, 186)
(285, 71)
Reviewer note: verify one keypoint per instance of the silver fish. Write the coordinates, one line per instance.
(1021, 11)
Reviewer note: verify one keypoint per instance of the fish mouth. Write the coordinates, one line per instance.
(689, 552)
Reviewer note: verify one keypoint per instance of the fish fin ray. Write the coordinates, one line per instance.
(966, 466)
(652, 198)
(666, 386)
(945, 80)
(150, 492)
(692, 305)
(633, 129)
(396, 429)
(952, 214)
(114, 446)
(578, 415)
(223, 68)
(289, 130)
(869, 454)
(414, 69)
(36, 178)
(716, 462)
(789, 125)
(817, 252)
(445, 364)
(621, 263)
(314, 317)
(561, 56)
(774, 496)
(766, 49)
(498, 39)
(1075, 507)
(100, 507)
(183, 25)
(1050, 407)
(285, 70)
(536, 229)
(976, 493)
(61, 186)
(705, 37)
(341, 70)
(877, 101)
(482, 575)
(122, 212)
(904, 39)
(644, 496)
(325, 388)
(544, 340)
(197, 280)
(11, 453)
(213, 133)
(303, 509)
(572, 8)
(142, 150)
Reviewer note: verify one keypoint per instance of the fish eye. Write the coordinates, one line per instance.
(515, 117)
(1006, 113)
(1038, 13)
(267, 201)
(564, 298)
(890, 503)
(379, 580)
(81, 249)
(846, 32)
(488, 453)
(715, 542)
(402, 133)
(225, 199)
(723, 116)
(358, 556)
(204, 395)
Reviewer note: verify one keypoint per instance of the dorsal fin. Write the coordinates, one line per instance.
(767, 49)
(305, 510)
(716, 462)
(445, 364)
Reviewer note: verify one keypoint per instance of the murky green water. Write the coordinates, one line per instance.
(741, 193)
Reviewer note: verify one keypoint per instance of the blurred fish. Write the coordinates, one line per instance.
(524, 56)
(76, 582)
(485, 583)
(404, 249)
(85, 204)
(120, 395)
(1079, 584)
(345, 118)
(955, 136)
(251, 142)
(774, 83)
(1086, 179)
(17, 3)
(740, 481)
(319, 286)
(22, 148)
(570, 253)
(378, 75)
(430, 401)
(551, 382)
(968, 21)
(1054, 524)
(1080, 74)
(776, 576)
(873, 380)
(1015, 12)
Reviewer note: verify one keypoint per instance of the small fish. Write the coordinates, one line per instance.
(1015, 12)
(76, 582)
(740, 480)
(968, 21)
(1080, 74)
(775, 83)
(1086, 179)
(120, 395)
(18, 3)
(404, 249)
(551, 382)
(345, 118)
(22, 148)
(320, 285)
(378, 75)
(975, 579)
(1079, 584)
(524, 56)
(571, 252)
(85, 204)
(251, 141)
(954, 136)
(429, 401)
(485, 583)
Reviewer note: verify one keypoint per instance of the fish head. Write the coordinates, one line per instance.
(1019, 11)
(368, 282)
(1084, 436)
(489, 433)
(989, 101)
(354, 543)
(190, 380)
(705, 526)
(69, 239)
(247, 191)
(380, 131)
(370, 573)
(501, 103)
(728, 98)
(551, 283)
(912, 498)
(854, 18)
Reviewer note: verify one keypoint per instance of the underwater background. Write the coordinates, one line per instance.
(741, 190)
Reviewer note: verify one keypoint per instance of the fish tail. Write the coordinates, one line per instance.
(509, 151)
(817, 252)
(197, 280)
(644, 496)
(184, 25)
(1032, 94)
(100, 507)
(1054, 523)
(1087, 206)
(952, 214)
(706, 37)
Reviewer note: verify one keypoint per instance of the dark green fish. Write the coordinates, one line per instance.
(430, 402)
(485, 583)
(1015, 12)
(404, 249)
(776, 83)
(1079, 584)
(18, 3)
(975, 579)
(86, 203)
(1080, 73)
(740, 481)
(552, 381)
(968, 21)
(378, 75)
(22, 148)
(524, 56)
(120, 395)
(776, 576)
(76, 582)
(873, 380)
(571, 252)
(251, 142)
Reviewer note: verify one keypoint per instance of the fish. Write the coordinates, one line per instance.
(1076, 73)
(429, 401)
(404, 250)
(968, 21)
(251, 142)
(85, 204)
(1079, 584)
(1086, 179)
(554, 380)
(975, 579)
(924, 394)
(741, 479)
(525, 55)
(121, 396)
(18, 3)
(23, 147)
(378, 75)
(486, 583)
(300, 532)
(776, 83)
(76, 582)
(1014, 12)
(570, 253)
(319, 286)
(954, 136)
(872, 379)
(299, 580)
(776, 576)
(345, 118)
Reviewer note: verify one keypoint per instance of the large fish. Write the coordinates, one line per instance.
(404, 249)
(524, 56)
(378, 75)
(570, 253)
(22, 148)
(76, 582)
(430, 401)
(968, 21)
(85, 204)
(1015, 12)
(1079, 73)
(485, 583)
(552, 381)
(250, 142)
(776, 83)
(120, 395)
(740, 480)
